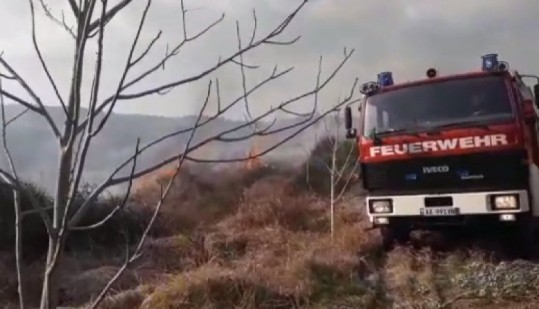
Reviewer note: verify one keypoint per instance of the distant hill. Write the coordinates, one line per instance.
(35, 151)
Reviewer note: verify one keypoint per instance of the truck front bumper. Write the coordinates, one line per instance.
(453, 208)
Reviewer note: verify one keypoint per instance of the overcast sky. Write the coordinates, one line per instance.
(405, 37)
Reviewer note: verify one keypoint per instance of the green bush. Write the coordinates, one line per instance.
(130, 222)
(33, 228)
(127, 224)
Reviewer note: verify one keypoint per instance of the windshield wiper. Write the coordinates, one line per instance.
(473, 123)
(375, 136)
(406, 131)
(378, 141)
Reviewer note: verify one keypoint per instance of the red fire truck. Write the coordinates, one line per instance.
(450, 150)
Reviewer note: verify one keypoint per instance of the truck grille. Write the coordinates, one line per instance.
(483, 171)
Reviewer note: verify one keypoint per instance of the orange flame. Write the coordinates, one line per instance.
(151, 181)
(254, 161)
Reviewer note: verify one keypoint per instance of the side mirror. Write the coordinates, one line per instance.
(348, 117)
(536, 94)
(350, 132)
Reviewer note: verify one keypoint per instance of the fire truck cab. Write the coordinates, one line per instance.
(450, 150)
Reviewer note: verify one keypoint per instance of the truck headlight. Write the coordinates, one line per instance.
(504, 201)
(380, 206)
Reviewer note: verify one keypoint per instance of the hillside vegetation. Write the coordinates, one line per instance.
(261, 239)
(119, 136)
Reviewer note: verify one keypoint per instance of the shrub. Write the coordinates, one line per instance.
(316, 174)
(130, 222)
(34, 233)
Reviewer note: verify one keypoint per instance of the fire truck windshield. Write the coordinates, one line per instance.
(438, 104)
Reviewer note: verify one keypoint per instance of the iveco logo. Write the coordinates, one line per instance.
(435, 169)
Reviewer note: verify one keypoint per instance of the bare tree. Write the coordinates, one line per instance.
(336, 161)
(75, 136)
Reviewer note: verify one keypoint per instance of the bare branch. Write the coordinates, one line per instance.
(281, 142)
(345, 169)
(242, 70)
(16, 207)
(341, 171)
(62, 23)
(36, 211)
(74, 8)
(347, 182)
(110, 181)
(183, 131)
(73, 112)
(276, 32)
(118, 207)
(78, 151)
(13, 184)
(14, 118)
(283, 105)
(128, 65)
(333, 184)
(58, 236)
(294, 40)
(184, 19)
(168, 55)
(147, 50)
(77, 136)
(12, 180)
(103, 20)
(87, 137)
(22, 102)
(113, 181)
(41, 59)
(248, 66)
(218, 90)
(40, 109)
(315, 103)
(4, 76)
(318, 88)
(255, 27)
(137, 253)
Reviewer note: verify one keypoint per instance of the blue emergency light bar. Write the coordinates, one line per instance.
(385, 79)
(490, 62)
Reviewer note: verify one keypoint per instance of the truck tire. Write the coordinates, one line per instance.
(527, 238)
(394, 234)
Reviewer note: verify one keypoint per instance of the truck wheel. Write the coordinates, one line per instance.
(394, 234)
(527, 238)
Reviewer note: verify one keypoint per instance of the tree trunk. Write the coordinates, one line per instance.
(332, 208)
(332, 186)
(18, 246)
(49, 293)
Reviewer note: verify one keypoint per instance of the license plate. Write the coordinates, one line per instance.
(439, 211)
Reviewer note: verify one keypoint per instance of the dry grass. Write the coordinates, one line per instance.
(275, 251)
(280, 269)
(250, 240)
